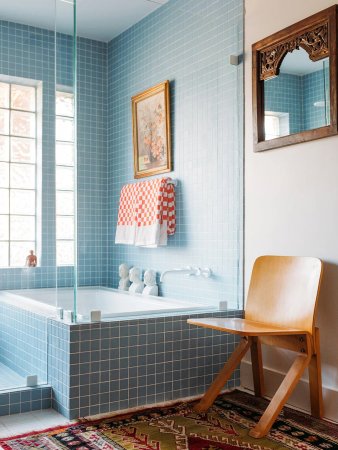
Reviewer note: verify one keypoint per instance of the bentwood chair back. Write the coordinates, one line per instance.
(283, 291)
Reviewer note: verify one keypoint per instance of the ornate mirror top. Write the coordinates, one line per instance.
(313, 41)
(294, 88)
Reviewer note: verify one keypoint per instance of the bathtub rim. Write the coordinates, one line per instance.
(38, 307)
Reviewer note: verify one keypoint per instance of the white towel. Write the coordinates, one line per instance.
(146, 213)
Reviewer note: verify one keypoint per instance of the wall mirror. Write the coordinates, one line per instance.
(294, 83)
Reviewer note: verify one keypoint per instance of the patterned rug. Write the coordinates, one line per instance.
(224, 427)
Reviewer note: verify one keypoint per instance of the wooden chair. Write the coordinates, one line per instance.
(280, 311)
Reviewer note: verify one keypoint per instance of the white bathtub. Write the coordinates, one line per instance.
(111, 302)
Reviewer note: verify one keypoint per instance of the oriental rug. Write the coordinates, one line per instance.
(224, 426)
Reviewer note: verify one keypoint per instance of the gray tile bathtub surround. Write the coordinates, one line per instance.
(25, 400)
(109, 366)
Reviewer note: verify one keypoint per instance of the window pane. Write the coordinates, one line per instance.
(64, 154)
(19, 252)
(3, 254)
(4, 121)
(4, 201)
(4, 174)
(64, 104)
(64, 253)
(4, 228)
(23, 97)
(271, 125)
(22, 202)
(64, 129)
(23, 124)
(64, 203)
(23, 150)
(4, 148)
(4, 95)
(64, 227)
(64, 178)
(23, 176)
(22, 228)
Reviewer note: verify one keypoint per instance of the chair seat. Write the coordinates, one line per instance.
(244, 327)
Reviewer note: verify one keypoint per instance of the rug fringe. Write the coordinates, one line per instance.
(139, 409)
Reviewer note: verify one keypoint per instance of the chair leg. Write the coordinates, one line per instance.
(283, 393)
(315, 380)
(257, 367)
(223, 376)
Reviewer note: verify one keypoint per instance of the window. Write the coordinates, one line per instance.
(18, 170)
(276, 124)
(64, 176)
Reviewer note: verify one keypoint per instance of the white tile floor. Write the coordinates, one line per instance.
(31, 421)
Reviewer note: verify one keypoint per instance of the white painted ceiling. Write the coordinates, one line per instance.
(96, 19)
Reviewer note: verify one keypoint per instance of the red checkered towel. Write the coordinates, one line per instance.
(146, 213)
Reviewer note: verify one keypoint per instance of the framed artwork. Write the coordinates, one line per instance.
(151, 131)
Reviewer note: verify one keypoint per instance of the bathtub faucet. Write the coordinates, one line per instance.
(188, 270)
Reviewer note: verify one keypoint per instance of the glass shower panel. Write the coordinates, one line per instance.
(27, 196)
(92, 163)
(65, 155)
(206, 126)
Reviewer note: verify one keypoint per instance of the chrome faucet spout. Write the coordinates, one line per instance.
(184, 271)
(188, 270)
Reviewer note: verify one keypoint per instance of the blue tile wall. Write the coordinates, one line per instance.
(92, 160)
(23, 341)
(316, 87)
(189, 43)
(58, 364)
(284, 94)
(296, 94)
(111, 366)
(24, 400)
(29, 52)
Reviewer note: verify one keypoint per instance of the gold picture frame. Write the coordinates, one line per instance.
(151, 131)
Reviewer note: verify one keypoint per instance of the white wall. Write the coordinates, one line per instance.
(292, 205)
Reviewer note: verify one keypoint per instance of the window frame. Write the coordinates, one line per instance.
(64, 90)
(34, 244)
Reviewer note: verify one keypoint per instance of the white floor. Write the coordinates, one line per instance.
(30, 421)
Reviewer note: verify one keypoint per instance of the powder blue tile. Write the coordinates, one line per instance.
(206, 94)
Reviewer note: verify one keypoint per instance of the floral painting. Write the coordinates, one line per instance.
(151, 131)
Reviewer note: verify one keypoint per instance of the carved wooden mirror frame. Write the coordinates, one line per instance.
(317, 35)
